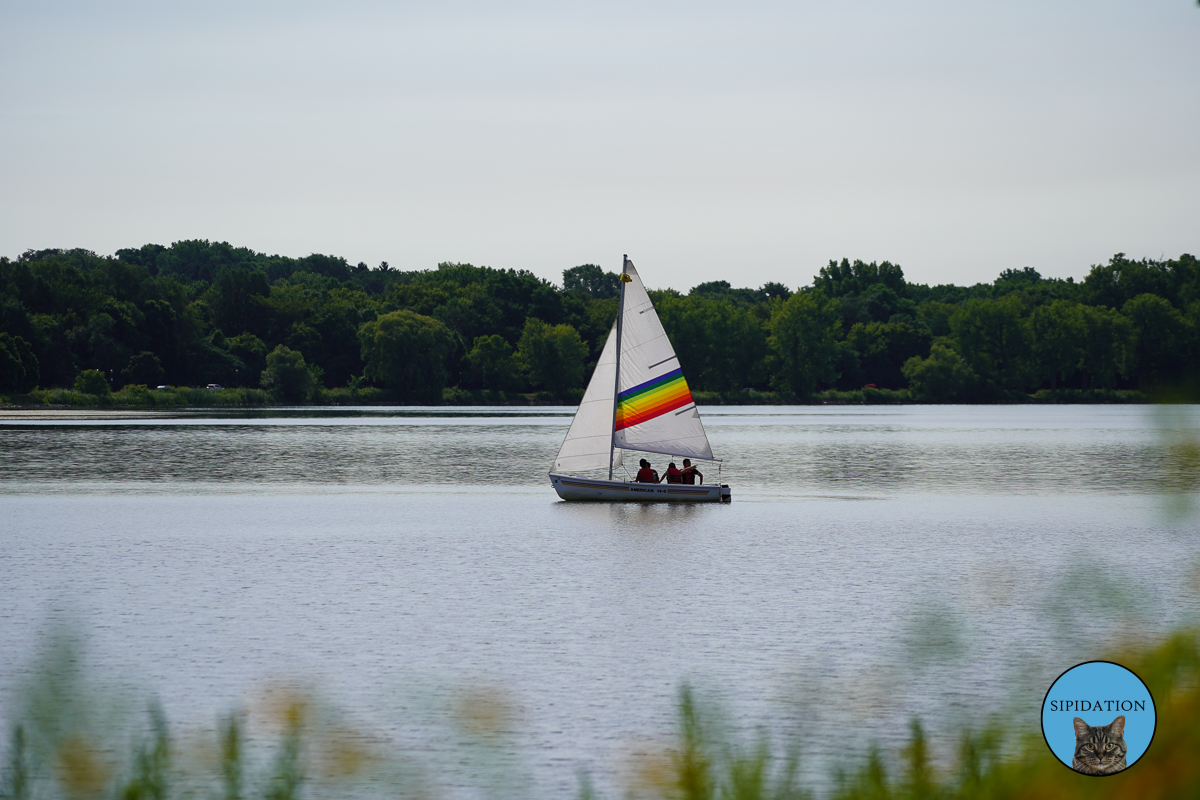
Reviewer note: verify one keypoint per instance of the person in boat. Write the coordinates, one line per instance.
(673, 474)
(690, 473)
(646, 474)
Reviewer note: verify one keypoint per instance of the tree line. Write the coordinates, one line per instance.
(201, 312)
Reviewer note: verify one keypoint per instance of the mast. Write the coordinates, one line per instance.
(612, 444)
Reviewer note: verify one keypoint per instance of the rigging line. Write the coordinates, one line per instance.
(633, 449)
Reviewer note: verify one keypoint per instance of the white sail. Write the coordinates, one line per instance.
(589, 439)
(655, 410)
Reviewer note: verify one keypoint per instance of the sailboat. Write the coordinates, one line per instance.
(638, 400)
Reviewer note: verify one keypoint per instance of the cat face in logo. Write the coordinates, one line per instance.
(1100, 749)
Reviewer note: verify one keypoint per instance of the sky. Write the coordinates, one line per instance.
(747, 142)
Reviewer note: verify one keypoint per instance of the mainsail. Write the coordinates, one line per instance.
(653, 409)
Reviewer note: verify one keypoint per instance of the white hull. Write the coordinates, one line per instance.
(572, 487)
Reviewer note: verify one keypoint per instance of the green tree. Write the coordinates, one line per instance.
(286, 307)
(877, 303)
(804, 333)
(936, 316)
(235, 295)
(773, 289)
(838, 280)
(943, 377)
(252, 352)
(287, 377)
(336, 321)
(12, 371)
(14, 318)
(721, 345)
(1160, 334)
(165, 333)
(1122, 279)
(407, 353)
(594, 321)
(553, 356)
(491, 365)
(144, 368)
(18, 365)
(591, 281)
(99, 343)
(1107, 349)
(56, 361)
(993, 340)
(1191, 353)
(883, 349)
(92, 381)
(1058, 332)
(210, 362)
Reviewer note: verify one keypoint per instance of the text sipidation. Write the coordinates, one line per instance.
(1097, 705)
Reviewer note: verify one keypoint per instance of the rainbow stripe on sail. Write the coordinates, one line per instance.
(652, 399)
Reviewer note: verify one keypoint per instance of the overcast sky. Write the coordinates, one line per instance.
(748, 141)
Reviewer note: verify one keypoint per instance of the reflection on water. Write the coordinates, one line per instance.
(790, 450)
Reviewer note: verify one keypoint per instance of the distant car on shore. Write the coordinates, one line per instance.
(162, 387)
(214, 386)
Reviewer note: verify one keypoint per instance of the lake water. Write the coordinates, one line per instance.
(876, 562)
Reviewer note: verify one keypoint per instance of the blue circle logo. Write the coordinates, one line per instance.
(1098, 718)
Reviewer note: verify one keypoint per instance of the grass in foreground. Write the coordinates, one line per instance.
(65, 745)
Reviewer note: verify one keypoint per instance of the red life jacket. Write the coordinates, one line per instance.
(647, 475)
(674, 475)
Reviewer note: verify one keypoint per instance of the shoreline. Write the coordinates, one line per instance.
(152, 403)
